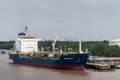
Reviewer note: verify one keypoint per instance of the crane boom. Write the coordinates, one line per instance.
(53, 44)
(56, 38)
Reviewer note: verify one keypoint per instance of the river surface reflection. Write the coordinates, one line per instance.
(10, 71)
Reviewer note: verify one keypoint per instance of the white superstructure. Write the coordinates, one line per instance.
(26, 43)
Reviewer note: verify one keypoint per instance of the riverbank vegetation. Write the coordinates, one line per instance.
(96, 48)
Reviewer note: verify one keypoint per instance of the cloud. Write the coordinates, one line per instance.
(99, 1)
(63, 16)
(94, 2)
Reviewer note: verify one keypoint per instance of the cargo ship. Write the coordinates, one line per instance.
(25, 51)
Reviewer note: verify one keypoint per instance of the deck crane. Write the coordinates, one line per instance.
(54, 42)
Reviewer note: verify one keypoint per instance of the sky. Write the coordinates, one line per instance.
(92, 19)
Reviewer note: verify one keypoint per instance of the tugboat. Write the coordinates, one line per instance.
(26, 52)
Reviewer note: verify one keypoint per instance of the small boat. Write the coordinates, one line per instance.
(3, 52)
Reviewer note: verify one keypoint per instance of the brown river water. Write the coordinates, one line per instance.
(10, 71)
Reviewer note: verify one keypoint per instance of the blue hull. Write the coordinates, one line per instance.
(70, 61)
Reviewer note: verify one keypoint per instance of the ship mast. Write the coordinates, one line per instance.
(26, 29)
(80, 51)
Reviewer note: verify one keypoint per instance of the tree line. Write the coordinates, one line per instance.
(95, 48)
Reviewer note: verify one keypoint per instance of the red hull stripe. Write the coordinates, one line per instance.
(57, 66)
